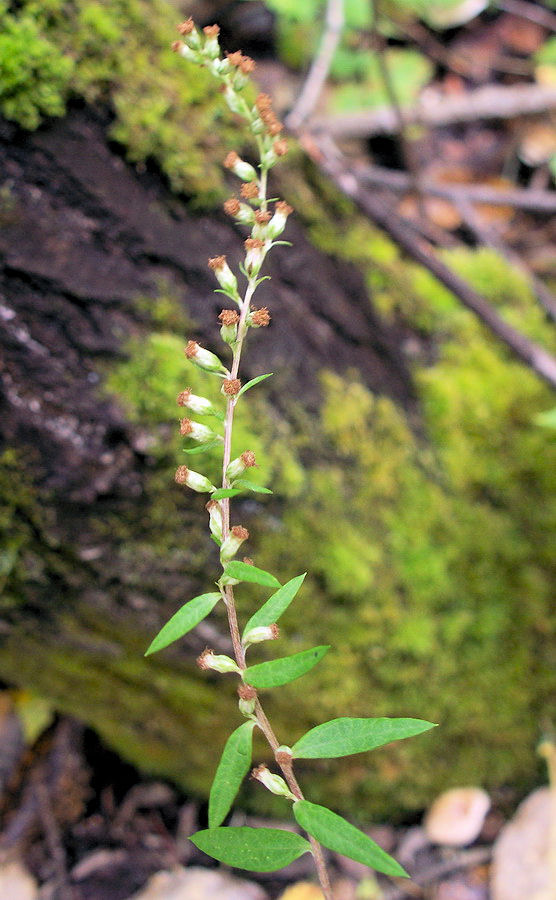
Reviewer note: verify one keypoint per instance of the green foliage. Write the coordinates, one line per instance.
(281, 671)
(253, 849)
(34, 73)
(166, 109)
(246, 572)
(275, 606)
(342, 737)
(337, 834)
(232, 769)
(186, 618)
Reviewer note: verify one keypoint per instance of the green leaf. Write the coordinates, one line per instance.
(233, 767)
(253, 849)
(342, 837)
(244, 572)
(224, 492)
(200, 447)
(276, 605)
(184, 620)
(287, 668)
(253, 382)
(342, 737)
(251, 486)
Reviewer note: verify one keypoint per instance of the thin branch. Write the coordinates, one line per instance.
(320, 66)
(489, 237)
(327, 156)
(530, 11)
(534, 200)
(433, 110)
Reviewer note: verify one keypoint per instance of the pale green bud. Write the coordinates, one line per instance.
(274, 783)
(279, 219)
(235, 103)
(239, 167)
(228, 333)
(238, 465)
(261, 633)
(197, 432)
(247, 708)
(194, 480)
(226, 278)
(218, 663)
(232, 543)
(199, 405)
(215, 518)
(202, 358)
(188, 53)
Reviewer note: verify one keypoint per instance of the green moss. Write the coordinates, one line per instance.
(166, 110)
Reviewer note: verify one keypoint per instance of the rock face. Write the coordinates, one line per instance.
(91, 254)
(521, 866)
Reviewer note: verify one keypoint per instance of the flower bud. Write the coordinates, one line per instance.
(224, 275)
(238, 465)
(247, 699)
(188, 53)
(259, 318)
(241, 212)
(279, 219)
(212, 47)
(262, 218)
(218, 663)
(247, 708)
(274, 783)
(255, 254)
(215, 518)
(196, 431)
(232, 543)
(194, 480)
(233, 100)
(250, 191)
(199, 405)
(202, 358)
(231, 387)
(239, 167)
(261, 633)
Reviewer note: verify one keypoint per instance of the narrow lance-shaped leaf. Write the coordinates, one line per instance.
(276, 605)
(253, 382)
(341, 737)
(244, 572)
(200, 448)
(186, 618)
(233, 767)
(281, 671)
(224, 492)
(335, 833)
(253, 849)
(246, 485)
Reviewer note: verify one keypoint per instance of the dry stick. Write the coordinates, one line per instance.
(320, 66)
(488, 236)
(534, 200)
(329, 159)
(530, 11)
(406, 146)
(491, 102)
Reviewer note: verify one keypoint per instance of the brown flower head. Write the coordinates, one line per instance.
(176, 46)
(211, 30)
(260, 317)
(202, 660)
(261, 217)
(232, 206)
(183, 397)
(240, 532)
(248, 561)
(235, 58)
(231, 159)
(274, 126)
(248, 459)
(280, 147)
(246, 692)
(212, 504)
(186, 427)
(216, 262)
(192, 349)
(229, 317)
(247, 65)
(284, 208)
(181, 475)
(186, 27)
(249, 190)
(231, 386)
(263, 103)
(253, 244)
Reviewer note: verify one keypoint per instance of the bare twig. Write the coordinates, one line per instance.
(534, 200)
(491, 102)
(320, 66)
(538, 14)
(332, 163)
(489, 236)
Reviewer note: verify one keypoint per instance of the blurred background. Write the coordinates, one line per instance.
(407, 434)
